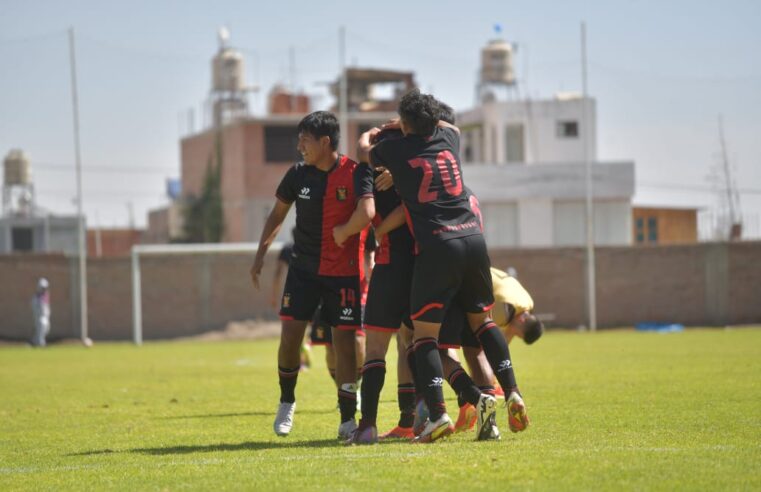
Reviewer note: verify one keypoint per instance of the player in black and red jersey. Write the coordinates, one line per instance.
(387, 302)
(327, 188)
(452, 264)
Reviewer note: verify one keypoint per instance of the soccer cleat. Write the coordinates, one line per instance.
(421, 417)
(368, 435)
(485, 411)
(489, 432)
(517, 418)
(466, 419)
(436, 430)
(399, 433)
(346, 429)
(284, 418)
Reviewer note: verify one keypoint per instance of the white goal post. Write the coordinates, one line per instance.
(176, 249)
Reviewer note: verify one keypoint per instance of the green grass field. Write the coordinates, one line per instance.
(614, 410)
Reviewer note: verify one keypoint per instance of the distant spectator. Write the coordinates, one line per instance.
(41, 310)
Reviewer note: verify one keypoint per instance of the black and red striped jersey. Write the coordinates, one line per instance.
(325, 199)
(428, 177)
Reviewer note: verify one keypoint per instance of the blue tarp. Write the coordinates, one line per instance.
(659, 327)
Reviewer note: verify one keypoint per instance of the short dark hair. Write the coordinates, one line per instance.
(532, 330)
(419, 111)
(321, 124)
(446, 113)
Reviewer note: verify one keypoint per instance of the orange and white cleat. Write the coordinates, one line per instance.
(398, 433)
(517, 418)
(466, 420)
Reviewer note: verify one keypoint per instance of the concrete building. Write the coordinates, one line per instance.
(39, 234)
(544, 205)
(525, 160)
(529, 131)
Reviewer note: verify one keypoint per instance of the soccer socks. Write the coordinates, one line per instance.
(347, 401)
(412, 364)
(488, 390)
(428, 365)
(288, 379)
(373, 376)
(463, 385)
(498, 354)
(406, 399)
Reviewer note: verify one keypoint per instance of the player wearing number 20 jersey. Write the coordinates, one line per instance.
(428, 177)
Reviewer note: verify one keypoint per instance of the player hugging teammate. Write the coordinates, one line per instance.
(435, 268)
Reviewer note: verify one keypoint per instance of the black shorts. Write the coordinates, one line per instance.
(320, 331)
(305, 291)
(388, 299)
(455, 331)
(451, 271)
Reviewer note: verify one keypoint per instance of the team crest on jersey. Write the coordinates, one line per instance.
(286, 300)
(341, 193)
(320, 333)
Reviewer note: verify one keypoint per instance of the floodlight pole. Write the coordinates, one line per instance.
(343, 104)
(80, 214)
(590, 216)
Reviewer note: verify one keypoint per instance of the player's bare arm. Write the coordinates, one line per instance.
(394, 220)
(269, 233)
(384, 181)
(365, 144)
(444, 124)
(360, 219)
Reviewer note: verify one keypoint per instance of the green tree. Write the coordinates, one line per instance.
(204, 220)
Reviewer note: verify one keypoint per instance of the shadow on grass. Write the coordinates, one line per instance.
(210, 448)
(244, 414)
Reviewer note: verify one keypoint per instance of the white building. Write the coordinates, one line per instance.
(525, 162)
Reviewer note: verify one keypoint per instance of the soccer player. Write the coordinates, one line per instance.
(325, 188)
(387, 305)
(452, 264)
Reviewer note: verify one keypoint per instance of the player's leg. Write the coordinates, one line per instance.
(373, 378)
(405, 391)
(436, 280)
(386, 306)
(340, 297)
(479, 369)
(476, 297)
(299, 301)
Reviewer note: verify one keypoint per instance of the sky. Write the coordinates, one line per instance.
(661, 71)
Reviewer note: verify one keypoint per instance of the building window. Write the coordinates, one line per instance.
(640, 230)
(652, 229)
(280, 144)
(514, 143)
(568, 129)
(22, 239)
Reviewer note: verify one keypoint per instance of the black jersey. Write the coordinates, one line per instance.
(428, 177)
(286, 253)
(325, 199)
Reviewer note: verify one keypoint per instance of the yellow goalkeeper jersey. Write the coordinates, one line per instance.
(507, 290)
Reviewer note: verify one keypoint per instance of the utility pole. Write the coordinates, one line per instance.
(80, 213)
(590, 219)
(343, 103)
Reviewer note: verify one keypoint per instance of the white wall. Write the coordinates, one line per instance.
(501, 224)
(612, 222)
